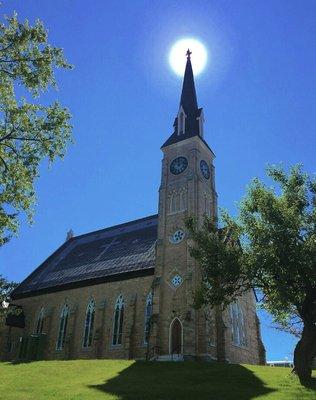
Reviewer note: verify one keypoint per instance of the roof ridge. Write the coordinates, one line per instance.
(115, 226)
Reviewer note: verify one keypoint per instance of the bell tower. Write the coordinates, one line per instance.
(187, 188)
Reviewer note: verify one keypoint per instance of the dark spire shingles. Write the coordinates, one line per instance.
(188, 102)
(188, 99)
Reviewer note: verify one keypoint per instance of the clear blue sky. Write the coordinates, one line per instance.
(258, 94)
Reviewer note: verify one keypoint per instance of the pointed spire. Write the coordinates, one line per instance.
(189, 121)
(188, 96)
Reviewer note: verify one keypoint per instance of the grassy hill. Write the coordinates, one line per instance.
(129, 380)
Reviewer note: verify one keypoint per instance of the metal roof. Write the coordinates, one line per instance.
(121, 249)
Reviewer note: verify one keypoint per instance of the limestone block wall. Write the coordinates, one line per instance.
(134, 291)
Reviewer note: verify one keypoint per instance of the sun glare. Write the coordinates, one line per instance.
(177, 56)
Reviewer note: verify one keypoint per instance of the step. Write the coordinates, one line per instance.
(169, 357)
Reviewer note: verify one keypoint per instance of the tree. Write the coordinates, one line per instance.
(277, 234)
(219, 256)
(29, 131)
(6, 288)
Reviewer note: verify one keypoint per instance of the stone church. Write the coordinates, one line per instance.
(127, 291)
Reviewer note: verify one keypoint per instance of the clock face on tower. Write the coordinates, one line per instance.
(178, 165)
(205, 169)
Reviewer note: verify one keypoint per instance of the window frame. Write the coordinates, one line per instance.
(118, 322)
(237, 325)
(40, 321)
(62, 330)
(88, 325)
(148, 306)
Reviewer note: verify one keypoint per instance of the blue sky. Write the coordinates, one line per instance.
(258, 93)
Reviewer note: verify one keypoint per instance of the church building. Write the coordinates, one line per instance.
(127, 291)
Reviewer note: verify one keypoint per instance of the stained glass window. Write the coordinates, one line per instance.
(88, 326)
(63, 321)
(237, 324)
(148, 313)
(40, 321)
(176, 280)
(118, 321)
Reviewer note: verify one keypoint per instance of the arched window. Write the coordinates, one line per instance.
(63, 321)
(118, 321)
(237, 323)
(181, 123)
(183, 200)
(174, 202)
(201, 124)
(88, 326)
(148, 314)
(207, 206)
(178, 201)
(210, 321)
(40, 321)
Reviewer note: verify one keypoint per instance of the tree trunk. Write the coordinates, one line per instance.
(305, 352)
(220, 335)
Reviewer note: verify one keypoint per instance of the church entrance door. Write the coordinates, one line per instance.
(176, 337)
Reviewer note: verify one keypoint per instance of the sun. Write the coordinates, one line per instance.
(177, 55)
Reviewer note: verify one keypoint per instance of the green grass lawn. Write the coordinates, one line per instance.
(129, 380)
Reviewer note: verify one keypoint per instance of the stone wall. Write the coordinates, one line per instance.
(134, 291)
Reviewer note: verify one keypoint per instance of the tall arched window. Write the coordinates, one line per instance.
(173, 202)
(88, 326)
(238, 326)
(207, 206)
(148, 314)
(63, 321)
(40, 321)
(118, 321)
(178, 201)
(210, 320)
(183, 200)
(181, 123)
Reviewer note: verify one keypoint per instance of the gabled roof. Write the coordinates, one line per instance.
(119, 252)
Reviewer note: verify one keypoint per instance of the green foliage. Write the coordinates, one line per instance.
(6, 288)
(130, 380)
(276, 231)
(219, 254)
(29, 131)
(281, 249)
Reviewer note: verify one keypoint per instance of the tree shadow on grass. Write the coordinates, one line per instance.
(185, 381)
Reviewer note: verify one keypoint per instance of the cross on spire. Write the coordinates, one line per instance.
(188, 54)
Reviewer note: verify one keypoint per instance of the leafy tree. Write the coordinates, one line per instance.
(29, 131)
(277, 233)
(6, 288)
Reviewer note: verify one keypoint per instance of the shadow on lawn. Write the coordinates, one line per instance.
(185, 381)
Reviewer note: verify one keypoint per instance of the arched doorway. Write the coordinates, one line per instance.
(175, 346)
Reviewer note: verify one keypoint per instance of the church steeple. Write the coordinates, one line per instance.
(188, 96)
(189, 121)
